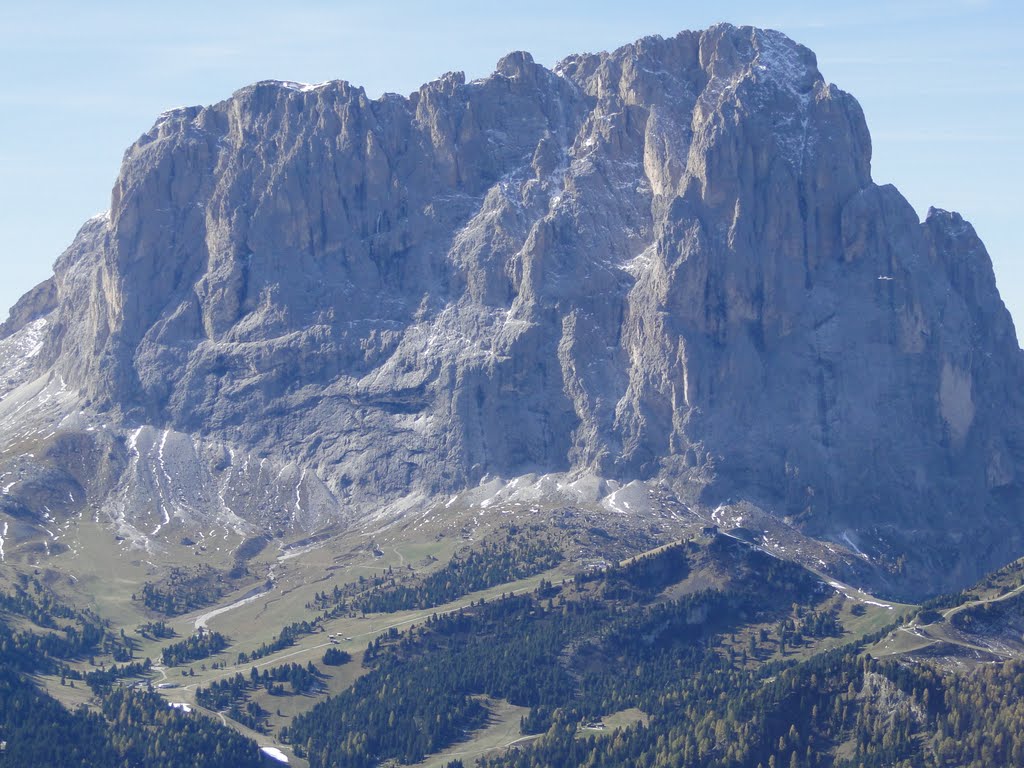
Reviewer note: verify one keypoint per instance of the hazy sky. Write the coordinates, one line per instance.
(941, 84)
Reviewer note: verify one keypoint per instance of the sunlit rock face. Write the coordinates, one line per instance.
(667, 261)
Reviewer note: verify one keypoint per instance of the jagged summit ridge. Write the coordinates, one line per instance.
(666, 261)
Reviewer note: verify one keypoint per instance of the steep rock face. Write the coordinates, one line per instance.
(668, 260)
(37, 303)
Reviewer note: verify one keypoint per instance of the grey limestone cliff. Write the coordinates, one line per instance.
(665, 261)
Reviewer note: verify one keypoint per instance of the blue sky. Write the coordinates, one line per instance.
(941, 84)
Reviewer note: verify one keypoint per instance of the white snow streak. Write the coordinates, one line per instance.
(845, 537)
(167, 477)
(160, 459)
(612, 503)
(275, 753)
(298, 492)
(200, 622)
(133, 442)
(842, 588)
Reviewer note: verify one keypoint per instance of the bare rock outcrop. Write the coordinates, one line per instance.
(665, 261)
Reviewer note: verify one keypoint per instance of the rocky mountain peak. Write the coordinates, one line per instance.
(668, 261)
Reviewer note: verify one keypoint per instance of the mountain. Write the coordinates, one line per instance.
(665, 265)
